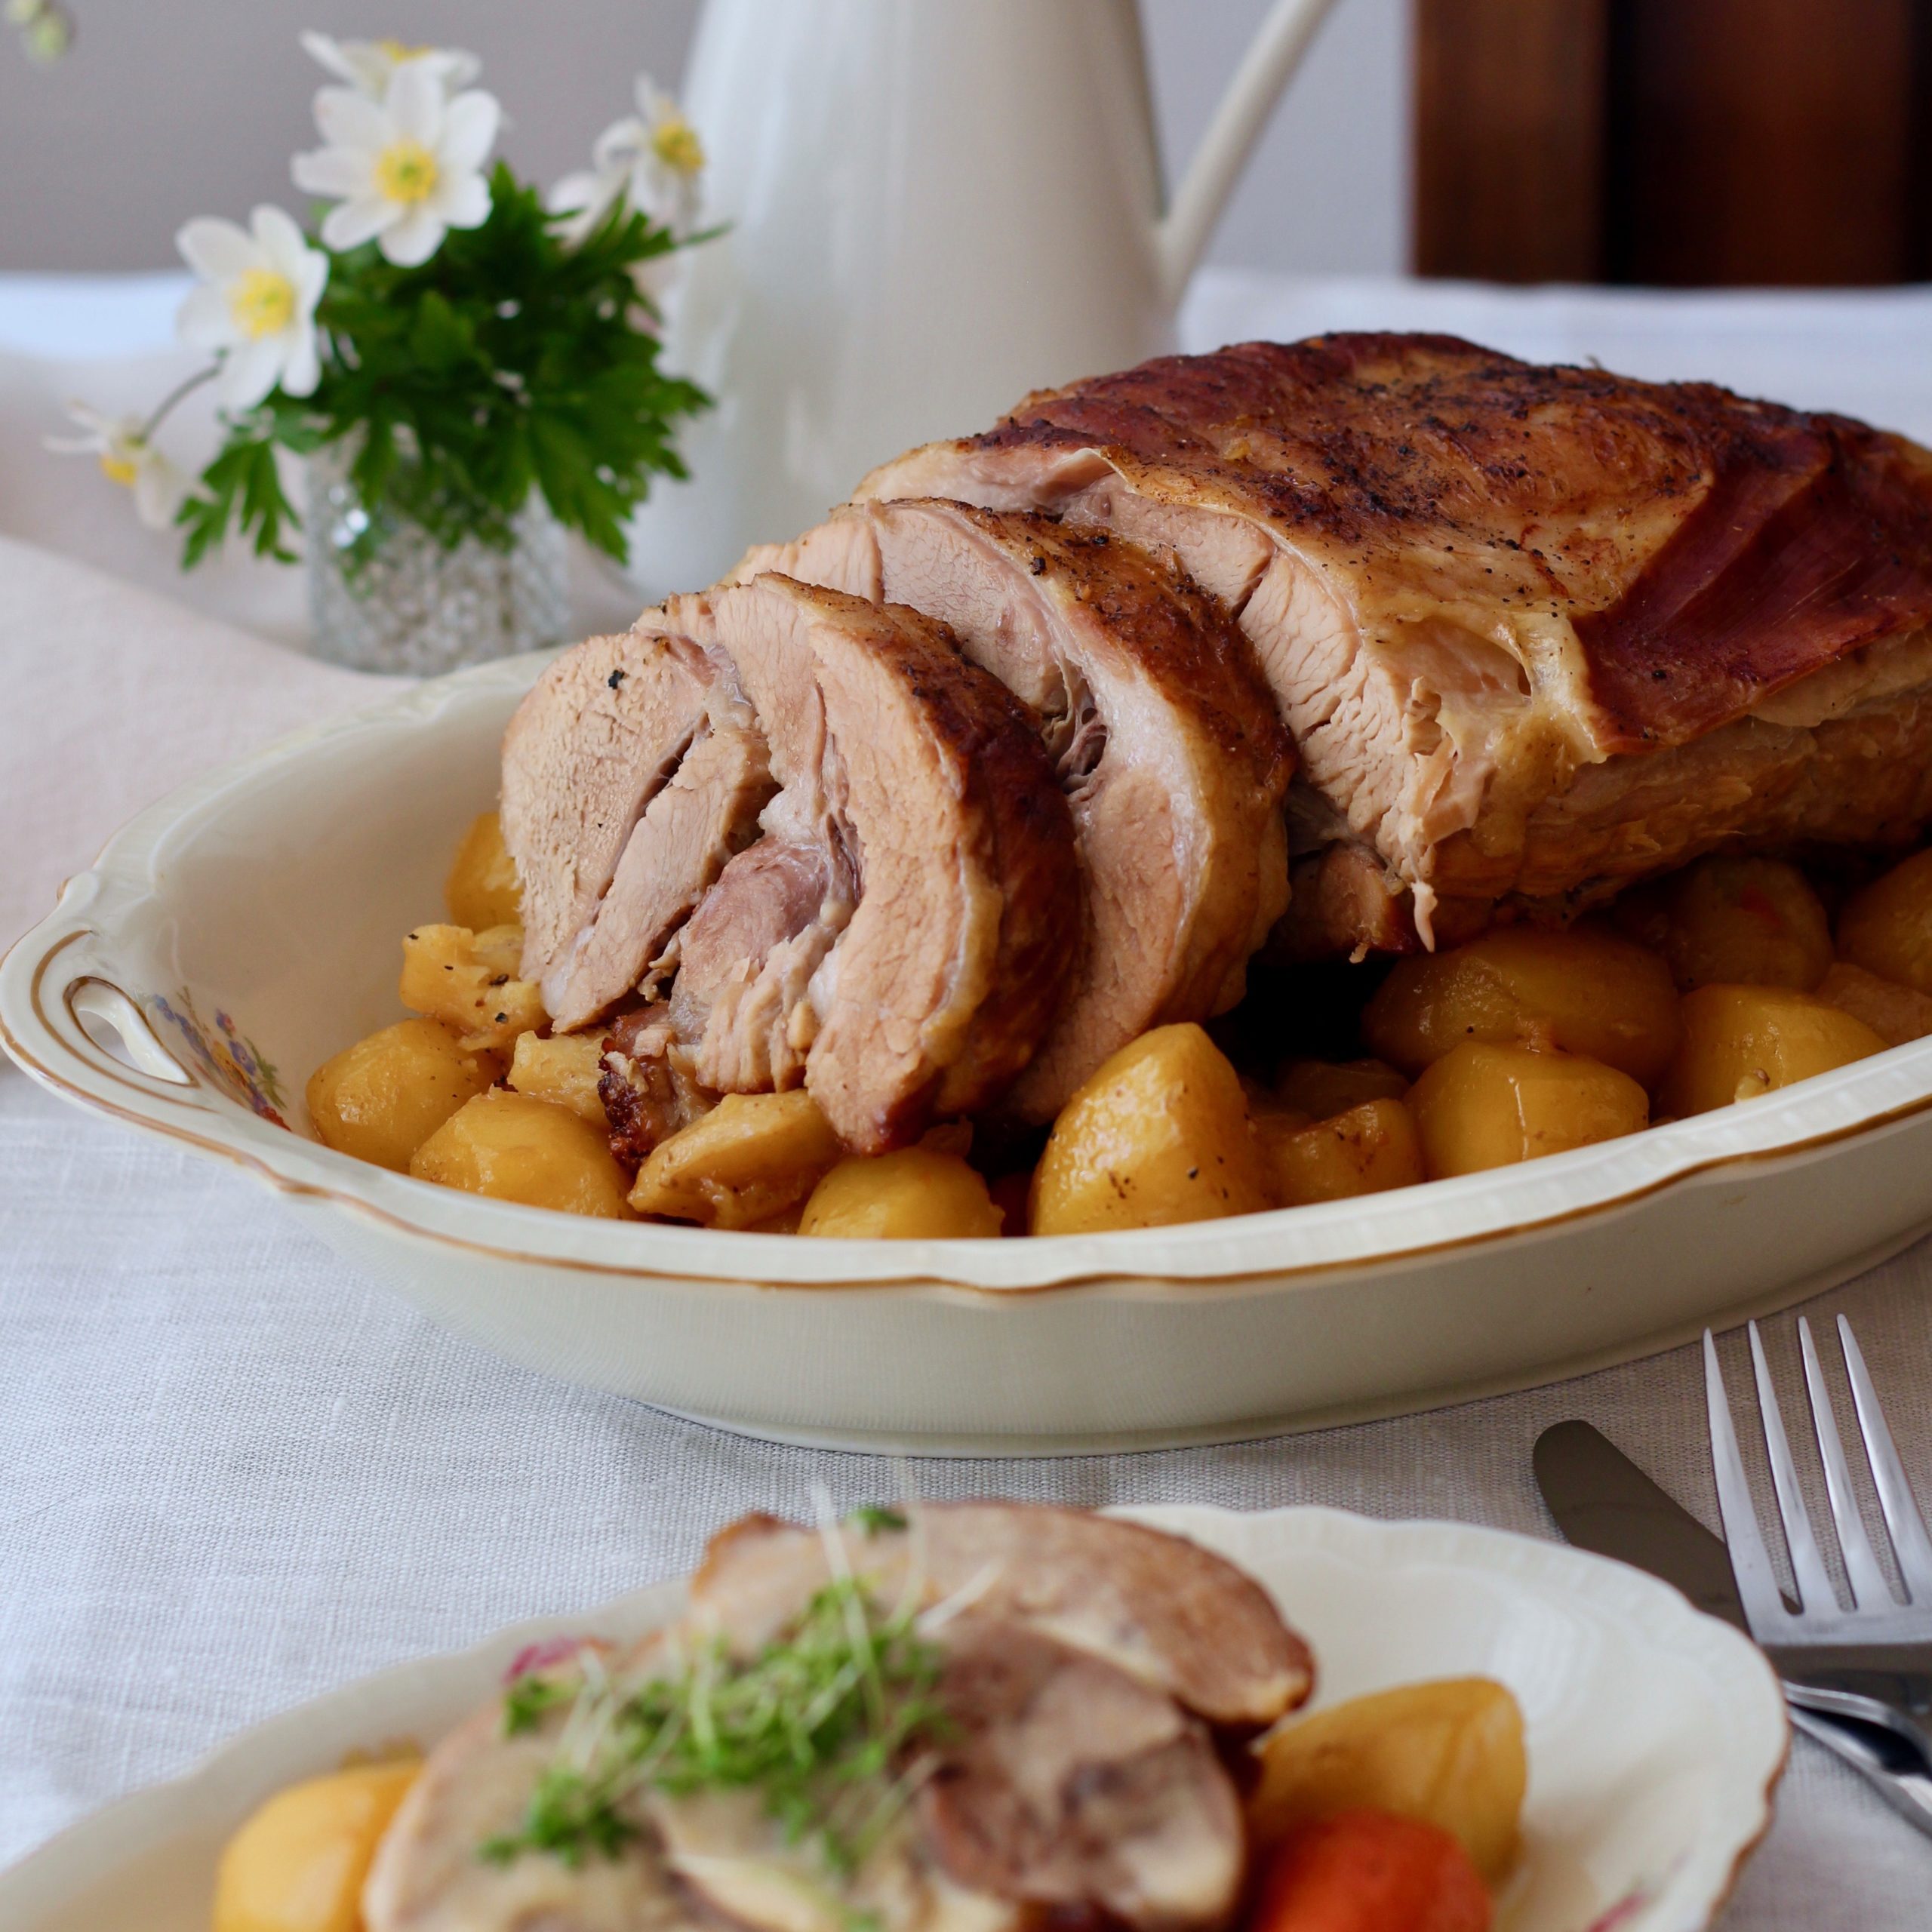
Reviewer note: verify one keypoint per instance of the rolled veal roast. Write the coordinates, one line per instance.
(1013, 784)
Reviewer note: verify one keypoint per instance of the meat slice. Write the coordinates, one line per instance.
(900, 935)
(753, 1871)
(1163, 737)
(1343, 902)
(632, 771)
(1537, 632)
(429, 1875)
(1171, 1615)
(1065, 1784)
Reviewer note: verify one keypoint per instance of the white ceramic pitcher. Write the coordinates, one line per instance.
(934, 206)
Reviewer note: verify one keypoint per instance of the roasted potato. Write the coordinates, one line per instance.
(1321, 1089)
(1158, 1134)
(918, 1194)
(297, 1863)
(1486, 1105)
(382, 1098)
(1896, 1014)
(752, 1157)
(513, 1148)
(468, 981)
(1368, 1150)
(1366, 1870)
(1886, 928)
(1586, 991)
(482, 890)
(1734, 921)
(1741, 1041)
(1449, 1752)
(563, 1070)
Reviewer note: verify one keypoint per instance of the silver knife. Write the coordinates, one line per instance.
(1602, 1502)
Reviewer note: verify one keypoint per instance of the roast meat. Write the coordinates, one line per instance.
(631, 772)
(1163, 735)
(1537, 632)
(1167, 1612)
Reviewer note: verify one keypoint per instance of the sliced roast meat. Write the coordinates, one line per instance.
(1537, 632)
(1164, 737)
(745, 962)
(1165, 1610)
(1065, 1784)
(632, 771)
(595, 738)
(918, 810)
(429, 1874)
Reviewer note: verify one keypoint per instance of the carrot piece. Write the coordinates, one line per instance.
(1367, 1871)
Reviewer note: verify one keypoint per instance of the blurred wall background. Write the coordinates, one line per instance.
(166, 109)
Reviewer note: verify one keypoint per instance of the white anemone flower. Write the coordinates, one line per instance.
(407, 168)
(255, 306)
(367, 64)
(127, 457)
(654, 156)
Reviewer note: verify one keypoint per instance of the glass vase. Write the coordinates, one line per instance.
(385, 594)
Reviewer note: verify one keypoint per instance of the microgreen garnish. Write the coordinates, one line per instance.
(822, 1723)
(874, 1519)
(531, 1698)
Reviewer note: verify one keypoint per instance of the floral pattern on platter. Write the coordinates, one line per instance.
(226, 1054)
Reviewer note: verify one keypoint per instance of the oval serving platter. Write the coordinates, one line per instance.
(236, 934)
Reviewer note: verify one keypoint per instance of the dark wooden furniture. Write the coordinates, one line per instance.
(1677, 142)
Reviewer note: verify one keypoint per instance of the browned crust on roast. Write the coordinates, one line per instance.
(1799, 537)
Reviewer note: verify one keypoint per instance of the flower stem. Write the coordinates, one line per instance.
(174, 395)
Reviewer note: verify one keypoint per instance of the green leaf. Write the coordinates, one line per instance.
(441, 338)
(241, 487)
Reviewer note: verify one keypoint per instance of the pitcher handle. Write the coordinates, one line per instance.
(1224, 150)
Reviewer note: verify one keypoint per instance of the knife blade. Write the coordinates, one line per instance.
(1604, 1502)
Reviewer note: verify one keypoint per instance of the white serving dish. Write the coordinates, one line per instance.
(1656, 1734)
(239, 932)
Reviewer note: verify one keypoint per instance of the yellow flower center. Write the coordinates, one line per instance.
(397, 50)
(675, 142)
(261, 303)
(406, 171)
(118, 468)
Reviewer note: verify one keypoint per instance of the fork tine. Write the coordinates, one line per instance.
(1903, 1517)
(1750, 1563)
(1870, 1590)
(1815, 1593)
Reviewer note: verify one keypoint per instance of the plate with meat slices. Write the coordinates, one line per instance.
(993, 1715)
(1303, 882)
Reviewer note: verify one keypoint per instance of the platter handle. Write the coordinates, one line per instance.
(59, 1012)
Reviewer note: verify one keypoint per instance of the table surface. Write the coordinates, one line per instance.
(240, 1473)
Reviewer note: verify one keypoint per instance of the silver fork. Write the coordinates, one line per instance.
(1873, 1661)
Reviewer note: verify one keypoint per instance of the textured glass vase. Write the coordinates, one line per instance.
(384, 595)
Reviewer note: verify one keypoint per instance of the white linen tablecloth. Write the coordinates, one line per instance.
(237, 1473)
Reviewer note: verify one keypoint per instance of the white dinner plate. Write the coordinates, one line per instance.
(1655, 1733)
